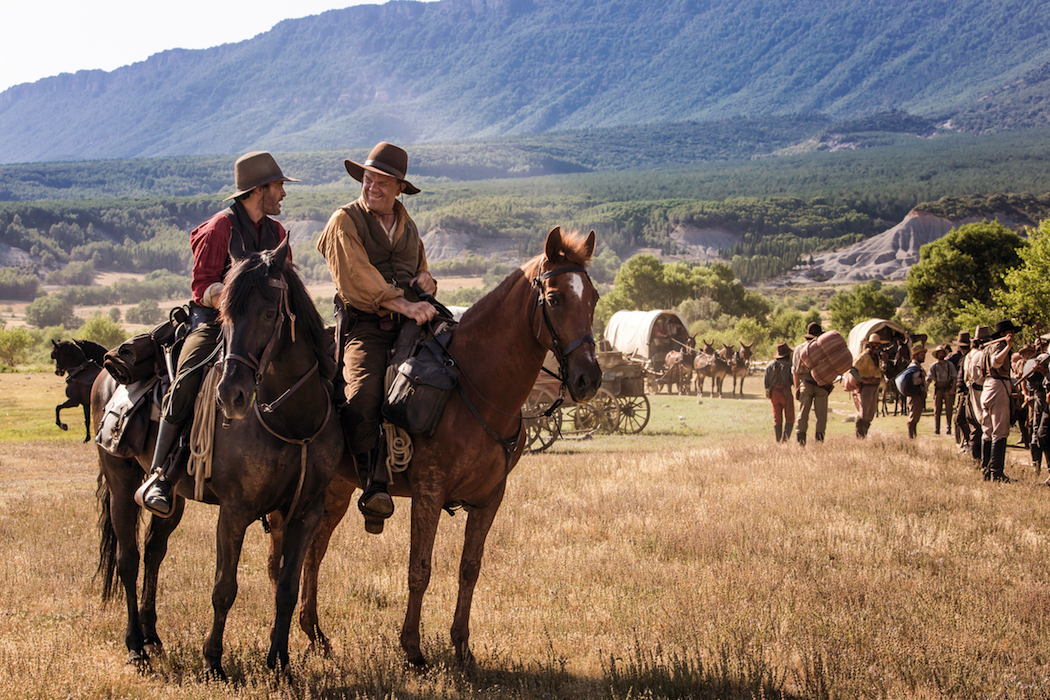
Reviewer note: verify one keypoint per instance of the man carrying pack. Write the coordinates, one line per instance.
(375, 256)
(868, 375)
(973, 371)
(778, 381)
(913, 386)
(942, 376)
(809, 394)
(260, 189)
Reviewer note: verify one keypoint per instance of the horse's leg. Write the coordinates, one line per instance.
(87, 421)
(123, 520)
(425, 513)
(477, 531)
(337, 499)
(69, 403)
(155, 549)
(229, 538)
(298, 532)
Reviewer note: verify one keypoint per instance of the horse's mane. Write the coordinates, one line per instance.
(574, 246)
(250, 275)
(92, 350)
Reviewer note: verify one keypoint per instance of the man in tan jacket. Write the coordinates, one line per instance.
(376, 257)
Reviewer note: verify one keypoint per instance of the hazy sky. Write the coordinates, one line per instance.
(46, 37)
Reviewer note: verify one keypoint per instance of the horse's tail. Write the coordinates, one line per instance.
(107, 545)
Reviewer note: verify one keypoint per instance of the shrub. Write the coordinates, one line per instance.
(14, 345)
(147, 313)
(102, 331)
(51, 310)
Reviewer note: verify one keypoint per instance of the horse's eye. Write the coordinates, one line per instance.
(554, 299)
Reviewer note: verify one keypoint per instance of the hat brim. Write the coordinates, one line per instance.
(279, 178)
(357, 171)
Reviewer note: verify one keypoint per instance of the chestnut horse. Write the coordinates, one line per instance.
(547, 304)
(678, 367)
(80, 361)
(740, 365)
(274, 456)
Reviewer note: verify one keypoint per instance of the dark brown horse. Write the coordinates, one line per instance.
(710, 363)
(548, 303)
(80, 361)
(893, 359)
(276, 452)
(740, 365)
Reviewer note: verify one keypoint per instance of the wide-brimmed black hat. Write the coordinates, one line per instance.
(1004, 327)
(963, 341)
(256, 169)
(385, 159)
(813, 330)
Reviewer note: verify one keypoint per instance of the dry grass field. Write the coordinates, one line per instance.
(697, 559)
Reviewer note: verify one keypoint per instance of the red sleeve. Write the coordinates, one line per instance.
(210, 243)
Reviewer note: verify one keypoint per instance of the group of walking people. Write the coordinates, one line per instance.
(379, 268)
(980, 381)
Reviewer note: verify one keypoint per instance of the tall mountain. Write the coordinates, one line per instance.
(455, 69)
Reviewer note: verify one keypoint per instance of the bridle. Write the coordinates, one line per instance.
(560, 350)
(259, 365)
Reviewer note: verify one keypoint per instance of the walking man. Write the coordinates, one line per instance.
(942, 376)
(811, 396)
(778, 381)
(915, 389)
(869, 376)
(995, 401)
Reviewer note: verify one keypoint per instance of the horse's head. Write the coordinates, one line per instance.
(709, 348)
(254, 313)
(67, 356)
(566, 300)
(726, 352)
(745, 351)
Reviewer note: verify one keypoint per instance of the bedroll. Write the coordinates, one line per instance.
(827, 356)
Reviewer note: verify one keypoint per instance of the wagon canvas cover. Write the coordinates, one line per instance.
(861, 331)
(631, 332)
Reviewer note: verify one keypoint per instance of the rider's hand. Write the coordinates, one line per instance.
(426, 282)
(420, 311)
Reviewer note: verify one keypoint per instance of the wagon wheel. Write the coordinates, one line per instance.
(635, 413)
(652, 381)
(540, 431)
(609, 407)
(584, 419)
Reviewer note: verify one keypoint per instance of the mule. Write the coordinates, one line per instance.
(272, 454)
(892, 361)
(79, 361)
(678, 368)
(548, 303)
(710, 363)
(740, 366)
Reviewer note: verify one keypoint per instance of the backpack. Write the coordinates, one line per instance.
(905, 385)
(827, 356)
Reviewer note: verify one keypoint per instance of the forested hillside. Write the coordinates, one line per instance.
(458, 69)
(778, 211)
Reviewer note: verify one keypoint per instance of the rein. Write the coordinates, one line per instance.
(259, 365)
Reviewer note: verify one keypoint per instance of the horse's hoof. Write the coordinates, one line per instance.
(140, 660)
(63, 426)
(214, 673)
(417, 664)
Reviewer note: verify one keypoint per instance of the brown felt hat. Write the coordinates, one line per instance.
(783, 351)
(385, 159)
(963, 341)
(917, 351)
(812, 331)
(940, 351)
(982, 333)
(873, 339)
(256, 169)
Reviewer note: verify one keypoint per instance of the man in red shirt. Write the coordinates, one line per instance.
(260, 189)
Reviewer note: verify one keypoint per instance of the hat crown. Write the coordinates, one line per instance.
(982, 333)
(391, 159)
(783, 350)
(874, 338)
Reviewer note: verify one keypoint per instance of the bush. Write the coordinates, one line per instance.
(76, 272)
(14, 345)
(18, 285)
(51, 310)
(147, 313)
(102, 331)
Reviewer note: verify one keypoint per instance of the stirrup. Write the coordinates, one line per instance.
(140, 497)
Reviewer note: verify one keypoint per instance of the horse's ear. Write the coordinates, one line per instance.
(236, 246)
(552, 249)
(588, 245)
(54, 343)
(280, 254)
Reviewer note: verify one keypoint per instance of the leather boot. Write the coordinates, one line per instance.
(986, 459)
(976, 449)
(998, 465)
(788, 428)
(157, 494)
(779, 430)
(375, 502)
(1037, 458)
